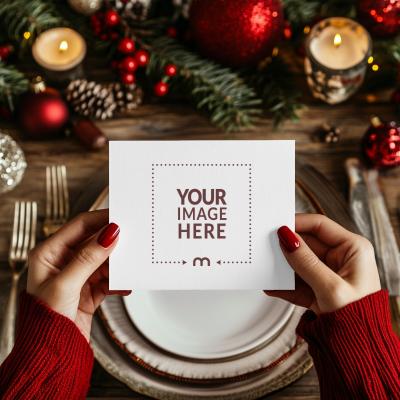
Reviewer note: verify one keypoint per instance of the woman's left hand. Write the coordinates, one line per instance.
(69, 271)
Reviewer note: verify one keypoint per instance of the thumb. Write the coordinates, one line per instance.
(91, 255)
(304, 261)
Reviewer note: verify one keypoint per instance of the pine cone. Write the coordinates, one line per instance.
(127, 97)
(91, 99)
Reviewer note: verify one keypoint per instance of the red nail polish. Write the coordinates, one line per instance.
(109, 234)
(288, 239)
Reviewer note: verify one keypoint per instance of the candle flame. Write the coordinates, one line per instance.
(337, 40)
(63, 46)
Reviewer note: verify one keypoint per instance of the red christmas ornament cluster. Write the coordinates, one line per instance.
(161, 88)
(381, 144)
(380, 17)
(131, 60)
(107, 26)
(236, 33)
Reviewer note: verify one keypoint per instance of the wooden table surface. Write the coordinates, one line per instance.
(176, 121)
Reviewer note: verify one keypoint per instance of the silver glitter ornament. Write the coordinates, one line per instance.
(86, 7)
(12, 163)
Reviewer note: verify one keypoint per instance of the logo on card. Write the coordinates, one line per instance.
(202, 220)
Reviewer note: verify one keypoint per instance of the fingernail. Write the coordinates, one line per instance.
(108, 236)
(288, 239)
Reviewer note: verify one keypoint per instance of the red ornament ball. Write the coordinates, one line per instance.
(126, 45)
(127, 78)
(142, 57)
(111, 18)
(42, 115)
(380, 17)
(161, 89)
(170, 70)
(381, 144)
(236, 33)
(128, 64)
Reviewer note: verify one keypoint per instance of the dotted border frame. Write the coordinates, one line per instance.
(153, 165)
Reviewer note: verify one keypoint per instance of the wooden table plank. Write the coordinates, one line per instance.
(179, 122)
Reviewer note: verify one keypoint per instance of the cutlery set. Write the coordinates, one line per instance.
(368, 209)
(23, 239)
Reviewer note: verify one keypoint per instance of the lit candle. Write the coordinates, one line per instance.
(60, 52)
(337, 52)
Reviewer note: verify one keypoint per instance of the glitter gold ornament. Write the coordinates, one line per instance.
(86, 7)
(236, 33)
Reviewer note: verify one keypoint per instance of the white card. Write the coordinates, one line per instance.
(201, 214)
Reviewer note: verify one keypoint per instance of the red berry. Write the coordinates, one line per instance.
(287, 31)
(161, 89)
(95, 19)
(142, 57)
(126, 45)
(170, 70)
(172, 32)
(128, 64)
(5, 51)
(114, 35)
(127, 77)
(111, 18)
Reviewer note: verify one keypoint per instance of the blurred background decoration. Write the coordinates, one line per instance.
(233, 60)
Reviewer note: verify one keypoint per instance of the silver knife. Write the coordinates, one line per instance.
(370, 214)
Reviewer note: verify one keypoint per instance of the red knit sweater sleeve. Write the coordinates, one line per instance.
(355, 351)
(51, 359)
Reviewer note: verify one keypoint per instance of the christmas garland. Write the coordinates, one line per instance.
(232, 97)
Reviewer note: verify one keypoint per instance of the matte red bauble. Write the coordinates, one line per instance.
(236, 32)
(42, 115)
(381, 144)
(380, 17)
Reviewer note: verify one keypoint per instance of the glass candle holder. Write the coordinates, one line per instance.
(337, 52)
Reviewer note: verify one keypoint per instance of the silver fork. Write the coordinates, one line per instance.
(57, 199)
(22, 240)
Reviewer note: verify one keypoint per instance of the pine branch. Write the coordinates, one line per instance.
(276, 87)
(12, 84)
(219, 91)
(300, 13)
(20, 16)
(394, 48)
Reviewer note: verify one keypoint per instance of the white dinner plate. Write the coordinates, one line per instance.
(207, 324)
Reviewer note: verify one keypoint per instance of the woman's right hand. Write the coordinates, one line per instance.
(334, 267)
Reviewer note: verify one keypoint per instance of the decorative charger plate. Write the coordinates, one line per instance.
(135, 357)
